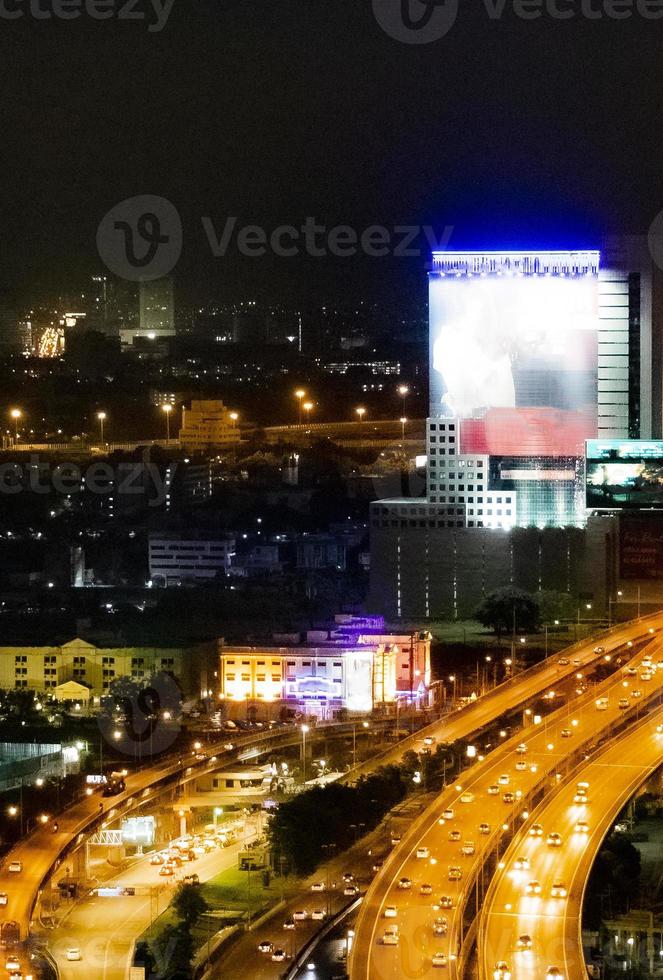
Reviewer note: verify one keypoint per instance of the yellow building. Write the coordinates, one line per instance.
(208, 424)
(45, 669)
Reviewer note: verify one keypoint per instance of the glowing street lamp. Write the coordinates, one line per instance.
(403, 421)
(233, 418)
(102, 418)
(16, 414)
(299, 395)
(305, 729)
(403, 391)
(308, 407)
(167, 409)
(361, 411)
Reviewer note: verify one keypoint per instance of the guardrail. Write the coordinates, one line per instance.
(317, 937)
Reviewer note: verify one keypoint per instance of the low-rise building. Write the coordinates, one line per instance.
(175, 560)
(49, 669)
(358, 666)
(208, 425)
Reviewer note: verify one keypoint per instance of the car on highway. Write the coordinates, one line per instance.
(448, 814)
(440, 926)
(536, 830)
(429, 740)
(602, 704)
(318, 915)
(630, 672)
(4, 898)
(581, 798)
(390, 912)
(289, 924)
(468, 848)
(396, 839)
(390, 936)
(623, 704)
(521, 864)
(637, 693)
(558, 890)
(554, 973)
(521, 766)
(348, 876)
(521, 749)
(524, 942)
(350, 891)
(454, 873)
(554, 839)
(508, 797)
(646, 675)
(300, 915)
(503, 780)
(582, 828)
(404, 883)
(157, 859)
(454, 835)
(501, 971)
(278, 956)
(425, 889)
(439, 959)
(484, 828)
(467, 797)
(167, 871)
(493, 789)
(533, 887)
(377, 865)
(566, 733)
(265, 946)
(13, 964)
(15, 867)
(318, 886)
(563, 661)
(446, 902)
(423, 852)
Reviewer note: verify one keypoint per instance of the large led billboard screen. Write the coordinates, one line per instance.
(626, 473)
(516, 358)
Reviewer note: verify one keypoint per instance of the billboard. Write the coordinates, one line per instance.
(624, 473)
(641, 547)
(138, 830)
(515, 357)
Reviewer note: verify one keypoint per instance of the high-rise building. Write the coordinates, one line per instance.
(10, 331)
(157, 314)
(531, 355)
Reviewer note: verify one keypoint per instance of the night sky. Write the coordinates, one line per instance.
(514, 132)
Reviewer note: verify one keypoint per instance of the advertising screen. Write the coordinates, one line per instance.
(625, 473)
(516, 356)
(138, 830)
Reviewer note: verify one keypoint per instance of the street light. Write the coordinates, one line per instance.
(403, 391)
(452, 678)
(305, 729)
(102, 418)
(299, 395)
(307, 406)
(233, 418)
(403, 421)
(167, 409)
(16, 414)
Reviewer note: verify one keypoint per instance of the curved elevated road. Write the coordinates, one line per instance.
(552, 919)
(546, 750)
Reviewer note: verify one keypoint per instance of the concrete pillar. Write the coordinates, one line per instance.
(182, 816)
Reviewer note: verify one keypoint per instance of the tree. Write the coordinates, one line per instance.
(172, 951)
(507, 609)
(189, 903)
